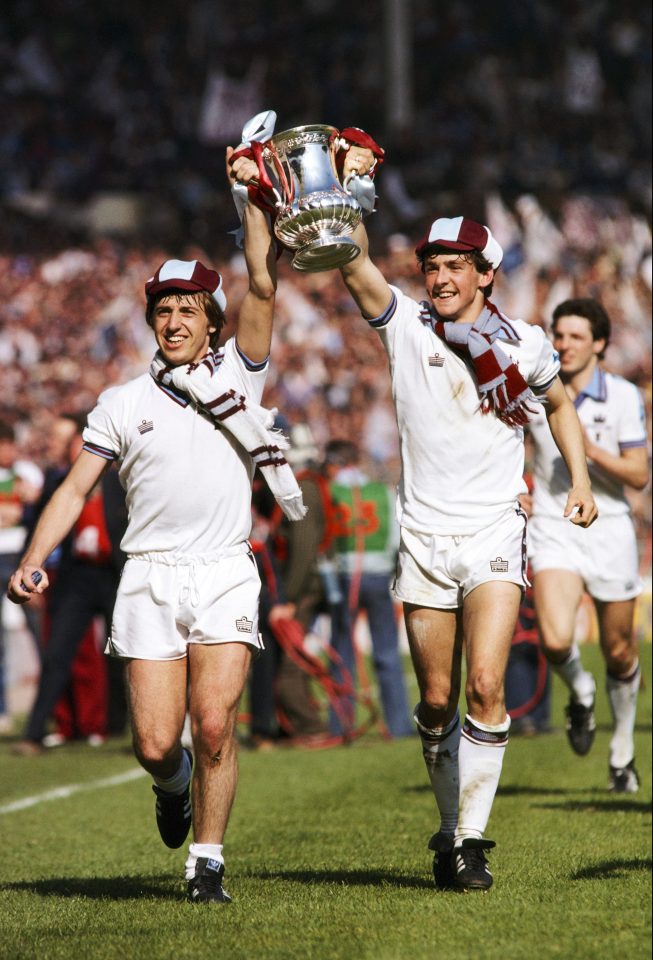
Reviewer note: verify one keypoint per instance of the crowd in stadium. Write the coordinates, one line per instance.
(540, 109)
(538, 96)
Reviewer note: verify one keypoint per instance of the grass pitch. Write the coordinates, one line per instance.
(327, 860)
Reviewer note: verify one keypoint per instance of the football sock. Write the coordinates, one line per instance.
(440, 749)
(622, 694)
(479, 762)
(212, 851)
(181, 779)
(580, 682)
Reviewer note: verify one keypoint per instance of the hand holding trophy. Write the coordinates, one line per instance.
(315, 181)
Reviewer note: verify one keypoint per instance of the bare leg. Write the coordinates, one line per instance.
(557, 595)
(489, 616)
(435, 650)
(218, 673)
(157, 703)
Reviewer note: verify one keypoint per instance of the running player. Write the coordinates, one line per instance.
(186, 612)
(464, 380)
(603, 561)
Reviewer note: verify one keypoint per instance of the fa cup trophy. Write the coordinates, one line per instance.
(314, 207)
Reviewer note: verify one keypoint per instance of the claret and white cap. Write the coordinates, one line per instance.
(189, 275)
(461, 233)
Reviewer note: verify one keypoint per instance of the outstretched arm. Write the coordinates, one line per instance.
(55, 523)
(254, 326)
(568, 435)
(362, 277)
(364, 280)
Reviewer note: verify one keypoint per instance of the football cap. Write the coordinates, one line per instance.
(190, 275)
(461, 233)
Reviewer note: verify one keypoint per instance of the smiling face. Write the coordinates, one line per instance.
(455, 286)
(182, 328)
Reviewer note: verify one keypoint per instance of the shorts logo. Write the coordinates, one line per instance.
(499, 565)
(629, 586)
(244, 625)
(436, 361)
(145, 426)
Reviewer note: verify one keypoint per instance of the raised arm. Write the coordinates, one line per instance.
(254, 326)
(568, 435)
(54, 524)
(364, 280)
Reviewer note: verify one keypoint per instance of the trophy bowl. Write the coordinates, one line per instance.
(316, 216)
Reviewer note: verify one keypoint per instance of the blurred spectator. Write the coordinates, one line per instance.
(20, 486)
(365, 543)
(87, 572)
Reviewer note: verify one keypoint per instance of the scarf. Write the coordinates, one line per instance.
(500, 384)
(206, 383)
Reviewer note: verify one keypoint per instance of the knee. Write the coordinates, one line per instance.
(437, 706)
(554, 647)
(153, 750)
(484, 692)
(621, 657)
(212, 732)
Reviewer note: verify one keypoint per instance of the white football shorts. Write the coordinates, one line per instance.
(440, 571)
(164, 603)
(604, 555)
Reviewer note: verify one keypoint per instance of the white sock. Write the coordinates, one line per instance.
(181, 779)
(440, 749)
(212, 851)
(622, 694)
(479, 762)
(580, 682)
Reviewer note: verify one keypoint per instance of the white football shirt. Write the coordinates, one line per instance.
(461, 468)
(612, 414)
(187, 482)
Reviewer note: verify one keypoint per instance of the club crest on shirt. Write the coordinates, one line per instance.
(499, 565)
(436, 360)
(145, 426)
(243, 625)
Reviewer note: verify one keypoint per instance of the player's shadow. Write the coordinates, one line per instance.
(609, 805)
(612, 869)
(102, 888)
(510, 790)
(353, 878)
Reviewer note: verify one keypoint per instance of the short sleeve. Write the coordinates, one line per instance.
(547, 361)
(632, 418)
(250, 376)
(101, 435)
(389, 324)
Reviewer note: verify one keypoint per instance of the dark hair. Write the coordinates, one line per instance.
(475, 257)
(340, 453)
(78, 417)
(7, 432)
(214, 314)
(592, 311)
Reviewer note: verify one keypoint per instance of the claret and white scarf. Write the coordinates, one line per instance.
(206, 383)
(500, 384)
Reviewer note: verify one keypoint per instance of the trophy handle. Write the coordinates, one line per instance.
(285, 179)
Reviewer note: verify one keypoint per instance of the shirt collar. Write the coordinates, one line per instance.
(596, 389)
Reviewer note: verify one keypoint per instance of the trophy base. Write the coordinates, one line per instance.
(325, 253)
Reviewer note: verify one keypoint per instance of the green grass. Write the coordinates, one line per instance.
(327, 859)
